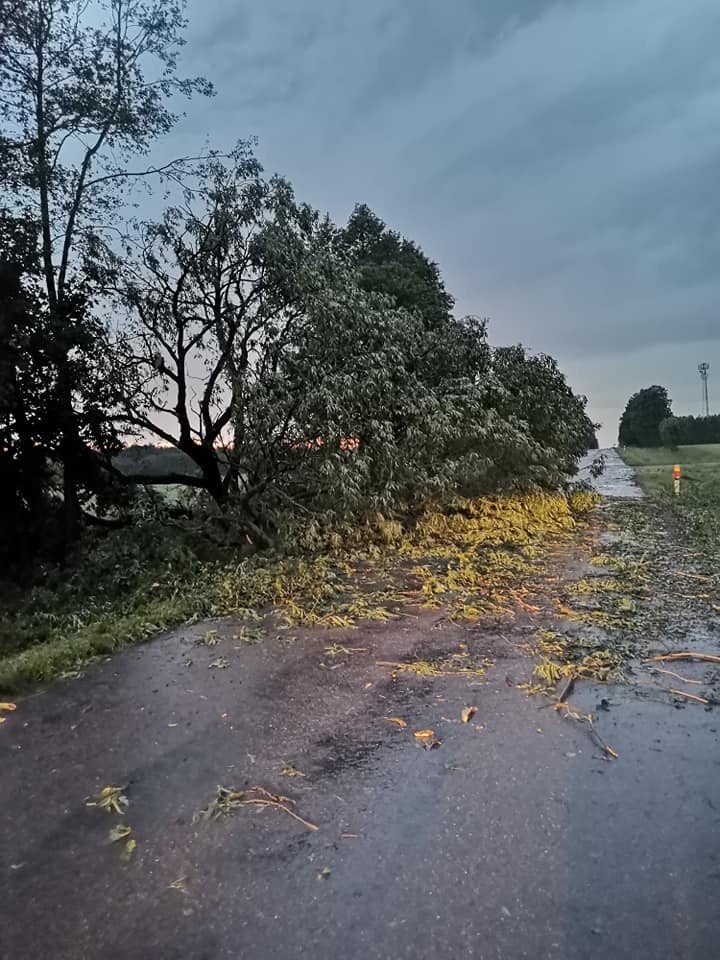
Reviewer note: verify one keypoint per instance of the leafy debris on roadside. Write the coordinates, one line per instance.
(8, 707)
(180, 885)
(111, 799)
(467, 714)
(227, 800)
(249, 635)
(290, 770)
(427, 739)
(119, 832)
(129, 849)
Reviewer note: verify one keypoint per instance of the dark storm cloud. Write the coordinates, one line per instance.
(560, 160)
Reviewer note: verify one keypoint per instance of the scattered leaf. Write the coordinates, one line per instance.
(428, 739)
(424, 734)
(325, 873)
(180, 885)
(249, 635)
(220, 664)
(8, 706)
(172, 724)
(336, 650)
(111, 799)
(467, 714)
(129, 849)
(119, 832)
(210, 638)
(399, 723)
(289, 770)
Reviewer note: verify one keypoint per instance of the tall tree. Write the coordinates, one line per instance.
(34, 347)
(86, 85)
(213, 292)
(256, 351)
(396, 267)
(643, 414)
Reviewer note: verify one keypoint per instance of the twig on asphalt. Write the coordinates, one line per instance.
(688, 696)
(227, 799)
(565, 691)
(685, 655)
(678, 676)
(594, 735)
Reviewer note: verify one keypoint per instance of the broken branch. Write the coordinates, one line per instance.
(689, 696)
(685, 655)
(671, 673)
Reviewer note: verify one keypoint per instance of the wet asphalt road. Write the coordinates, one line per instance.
(513, 839)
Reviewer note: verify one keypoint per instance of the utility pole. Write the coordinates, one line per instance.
(703, 369)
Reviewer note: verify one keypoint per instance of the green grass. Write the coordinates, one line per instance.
(699, 465)
(699, 500)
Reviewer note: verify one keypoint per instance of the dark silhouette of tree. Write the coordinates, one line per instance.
(86, 86)
(643, 414)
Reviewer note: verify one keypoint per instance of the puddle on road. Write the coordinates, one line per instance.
(617, 480)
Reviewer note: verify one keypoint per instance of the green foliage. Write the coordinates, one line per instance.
(535, 397)
(389, 264)
(36, 347)
(307, 377)
(336, 379)
(641, 419)
(125, 586)
(675, 431)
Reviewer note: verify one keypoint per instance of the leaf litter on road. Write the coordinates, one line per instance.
(129, 849)
(9, 707)
(227, 800)
(427, 739)
(290, 770)
(111, 799)
(119, 832)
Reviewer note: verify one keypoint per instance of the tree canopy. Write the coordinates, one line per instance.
(643, 414)
(298, 368)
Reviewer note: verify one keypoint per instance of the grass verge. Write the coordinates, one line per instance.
(698, 505)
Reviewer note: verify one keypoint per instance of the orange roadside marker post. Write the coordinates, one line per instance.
(676, 479)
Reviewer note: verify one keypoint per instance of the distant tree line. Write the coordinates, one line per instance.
(682, 431)
(295, 366)
(648, 421)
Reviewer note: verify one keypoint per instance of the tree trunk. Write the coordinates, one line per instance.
(70, 455)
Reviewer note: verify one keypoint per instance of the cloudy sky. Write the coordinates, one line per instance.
(560, 160)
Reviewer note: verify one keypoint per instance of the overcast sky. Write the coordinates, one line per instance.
(560, 160)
